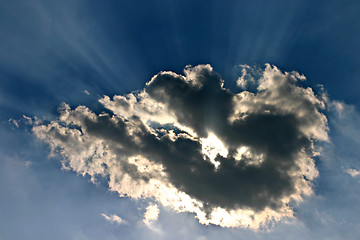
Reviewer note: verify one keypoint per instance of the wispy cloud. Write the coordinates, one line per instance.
(113, 218)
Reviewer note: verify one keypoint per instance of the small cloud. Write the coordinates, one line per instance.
(86, 92)
(339, 107)
(151, 214)
(28, 163)
(113, 218)
(13, 122)
(353, 172)
(25, 120)
(150, 217)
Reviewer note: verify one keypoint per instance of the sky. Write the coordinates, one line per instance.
(179, 119)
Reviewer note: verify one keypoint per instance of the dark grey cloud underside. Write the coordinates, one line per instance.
(206, 108)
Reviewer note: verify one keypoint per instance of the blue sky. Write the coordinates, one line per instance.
(51, 51)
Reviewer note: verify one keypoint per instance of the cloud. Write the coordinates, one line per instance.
(345, 127)
(151, 215)
(25, 120)
(233, 159)
(113, 218)
(248, 76)
(150, 218)
(353, 172)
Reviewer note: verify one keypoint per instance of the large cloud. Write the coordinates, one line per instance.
(185, 140)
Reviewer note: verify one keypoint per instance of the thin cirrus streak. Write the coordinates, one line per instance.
(233, 159)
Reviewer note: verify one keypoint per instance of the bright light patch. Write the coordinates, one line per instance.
(211, 147)
(245, 154)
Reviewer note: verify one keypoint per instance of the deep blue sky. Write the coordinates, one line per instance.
(51, 51)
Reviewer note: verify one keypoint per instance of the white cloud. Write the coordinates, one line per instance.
(353, 172)
(151, 214)
(150, 218)
(25, 120)
(162, 142)
(247, 77)
(28, 163)
(113, 218)
(13, 122)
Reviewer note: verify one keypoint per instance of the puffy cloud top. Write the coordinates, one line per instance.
(233, 159)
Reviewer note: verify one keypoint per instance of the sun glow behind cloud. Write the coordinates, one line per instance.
(211, 147)
(233, 159)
